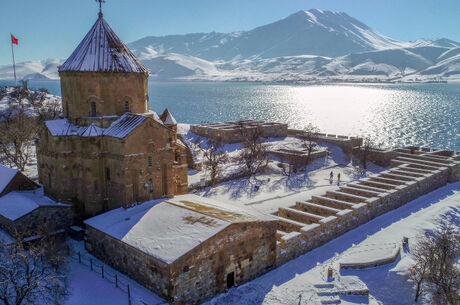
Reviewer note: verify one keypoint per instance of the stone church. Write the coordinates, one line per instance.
(108, 150)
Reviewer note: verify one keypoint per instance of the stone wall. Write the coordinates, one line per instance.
(109, 91)
(100, 173)
(247, 249)
(45, 217)
(346, 143)
(309, 224)
(233, 132)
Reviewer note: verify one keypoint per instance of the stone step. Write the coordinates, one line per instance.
(441, 162)
(288, 225)
(405, 173)
(299, 216)
(375, 184)
(333, 203)
(367, 188)
(330, 300)
(399, 177)
(339, 195)
(358, 192)
(324, 285)
(420, 163)
(311, 207)
(381, 179)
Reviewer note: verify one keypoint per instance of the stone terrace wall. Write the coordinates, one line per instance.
(315, 221)
(346, 143)
(230, 132)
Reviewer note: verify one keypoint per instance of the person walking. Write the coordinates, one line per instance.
(331, 176)
(338, 177)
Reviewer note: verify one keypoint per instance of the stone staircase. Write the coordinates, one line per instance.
(315, 221)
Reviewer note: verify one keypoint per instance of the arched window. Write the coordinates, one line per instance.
(126, 106)
(67, 109)
(93, 109)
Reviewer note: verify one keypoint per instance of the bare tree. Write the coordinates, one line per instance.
(214, 157)
(254, 155)
(20, 123)
(436, 269)
(365, 150)
(17, 132)
(307, 137)
(32, 273)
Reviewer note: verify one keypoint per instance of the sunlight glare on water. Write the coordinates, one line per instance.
(392, 114)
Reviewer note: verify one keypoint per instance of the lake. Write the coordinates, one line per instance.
(392, 114)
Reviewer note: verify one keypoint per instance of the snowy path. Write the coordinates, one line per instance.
(293, 283)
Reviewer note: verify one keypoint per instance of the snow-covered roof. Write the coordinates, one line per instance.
(15, 205)
(168, 118)
(6, 175)
(166, 229)
(118, 129)
(102, 51)
(124, 125)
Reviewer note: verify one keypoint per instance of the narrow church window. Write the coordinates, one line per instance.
(151, 185)
(107, 174)
(177, 156)
(67, 109)
(150, 161)
(126, 106)
(93, 108)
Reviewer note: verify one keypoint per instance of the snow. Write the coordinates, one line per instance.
(387, 284)
(165, 229)
(5, 238)
(15, 205)
(102, 50)
(87, 287)
(124, 125)
(120, 128)
(6, 175)
(170, 120)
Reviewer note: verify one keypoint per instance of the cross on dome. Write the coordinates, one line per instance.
(100, 6)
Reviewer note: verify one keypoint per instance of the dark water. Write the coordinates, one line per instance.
(394, 115)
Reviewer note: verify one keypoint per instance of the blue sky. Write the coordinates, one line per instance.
(53, 28)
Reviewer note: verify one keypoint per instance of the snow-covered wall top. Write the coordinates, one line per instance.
(102, 51)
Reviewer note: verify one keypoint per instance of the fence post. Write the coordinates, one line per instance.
(116, 280)
(129, 295)
(91, 264)
(102, 269)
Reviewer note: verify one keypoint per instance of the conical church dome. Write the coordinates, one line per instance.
(102, 51)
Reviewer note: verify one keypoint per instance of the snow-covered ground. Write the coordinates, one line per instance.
(270, 190)
(87, 287)
(294, 282)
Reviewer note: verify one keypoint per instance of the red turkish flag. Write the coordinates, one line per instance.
(14, 40)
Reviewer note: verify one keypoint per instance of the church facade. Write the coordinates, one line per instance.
(109, 150)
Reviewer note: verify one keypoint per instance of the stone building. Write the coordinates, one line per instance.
(13, 180)
(28, 212)
(109, 150)
(186, 249)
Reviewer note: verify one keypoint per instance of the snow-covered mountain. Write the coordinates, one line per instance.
(40, 69)
(312, 45)
(312, 32)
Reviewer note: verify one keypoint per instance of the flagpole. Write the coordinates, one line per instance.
(14, 63)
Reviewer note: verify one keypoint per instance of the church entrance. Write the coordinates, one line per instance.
(230, 279)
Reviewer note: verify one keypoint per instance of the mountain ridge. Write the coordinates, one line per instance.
(313, 45)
